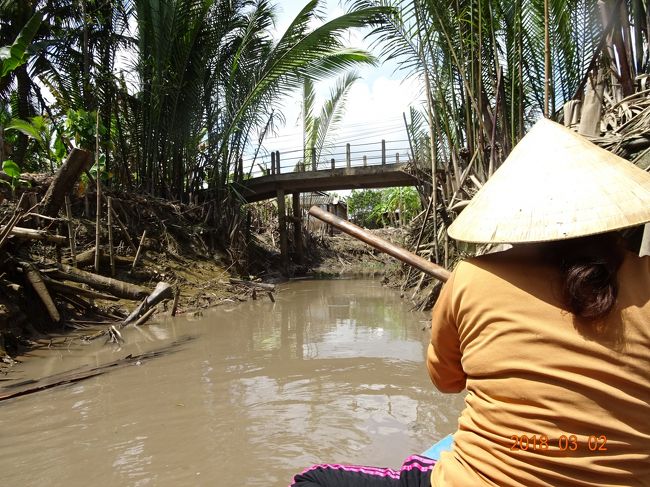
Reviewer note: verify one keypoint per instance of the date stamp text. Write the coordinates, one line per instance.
(565, 442)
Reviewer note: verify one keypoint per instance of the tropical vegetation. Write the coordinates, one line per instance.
(385, 207)
(179, 90)
(490, 68)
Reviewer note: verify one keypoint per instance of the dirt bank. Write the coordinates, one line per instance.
(181, 247)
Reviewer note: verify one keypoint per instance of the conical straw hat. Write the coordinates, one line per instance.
(555, 185)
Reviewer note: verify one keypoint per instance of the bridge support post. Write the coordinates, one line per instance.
(383, 151)
(272, 162)
(347, 155)
(282, 223)
(297, 226)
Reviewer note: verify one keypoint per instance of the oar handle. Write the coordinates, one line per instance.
(396, 251)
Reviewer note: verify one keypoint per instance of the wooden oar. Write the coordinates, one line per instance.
(393, 250)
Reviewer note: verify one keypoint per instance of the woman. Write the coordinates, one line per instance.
(551, 339)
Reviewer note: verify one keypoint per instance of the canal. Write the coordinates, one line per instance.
(332, 372)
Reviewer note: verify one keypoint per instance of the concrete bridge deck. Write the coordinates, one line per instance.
(376, 176)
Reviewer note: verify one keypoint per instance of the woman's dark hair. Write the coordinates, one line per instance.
(589, 267)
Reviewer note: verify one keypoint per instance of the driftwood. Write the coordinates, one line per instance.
(144, 318)
(36, 280)
(118, 288)
(63, 288)
(32, 234)
(7, 229)
(87, 258)
(31, 386)
(77, 162)
(162, 292)
(254, 285)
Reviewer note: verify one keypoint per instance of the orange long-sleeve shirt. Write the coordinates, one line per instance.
(580, 397)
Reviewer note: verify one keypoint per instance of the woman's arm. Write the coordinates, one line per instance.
(444, 355)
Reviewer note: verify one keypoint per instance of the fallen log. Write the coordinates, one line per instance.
(118, 288)
(33, 234)
(77, 162)
(87, 257)
(253, 284)
(63, 288)
(36, 280)
(162, 292)
(31, 386)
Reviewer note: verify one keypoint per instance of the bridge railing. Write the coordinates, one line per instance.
(340, 156)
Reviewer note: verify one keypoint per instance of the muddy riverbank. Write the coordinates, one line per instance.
(172, 243)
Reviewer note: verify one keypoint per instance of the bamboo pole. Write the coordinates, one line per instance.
(137, 254)
(71, 236)
(177, 296)
(111, 252)
(124, 230)
(98, 211)
(400, 253)
(434, 161)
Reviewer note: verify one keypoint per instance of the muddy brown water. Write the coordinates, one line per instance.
(332, 372)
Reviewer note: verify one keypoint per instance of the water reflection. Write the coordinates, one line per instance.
(332, 372)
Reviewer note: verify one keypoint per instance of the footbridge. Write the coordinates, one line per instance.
(361, 166)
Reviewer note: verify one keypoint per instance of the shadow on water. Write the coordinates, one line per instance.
(331, 372)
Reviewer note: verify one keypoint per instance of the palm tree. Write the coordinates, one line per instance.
(203, 94)
(317, 128)
(489, 68)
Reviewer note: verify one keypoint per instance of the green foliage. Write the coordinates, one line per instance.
(11, 169)
(376, 208)
(15, 55)
(362, 206)
(317, 128)
(80, 126)
(50, 150)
